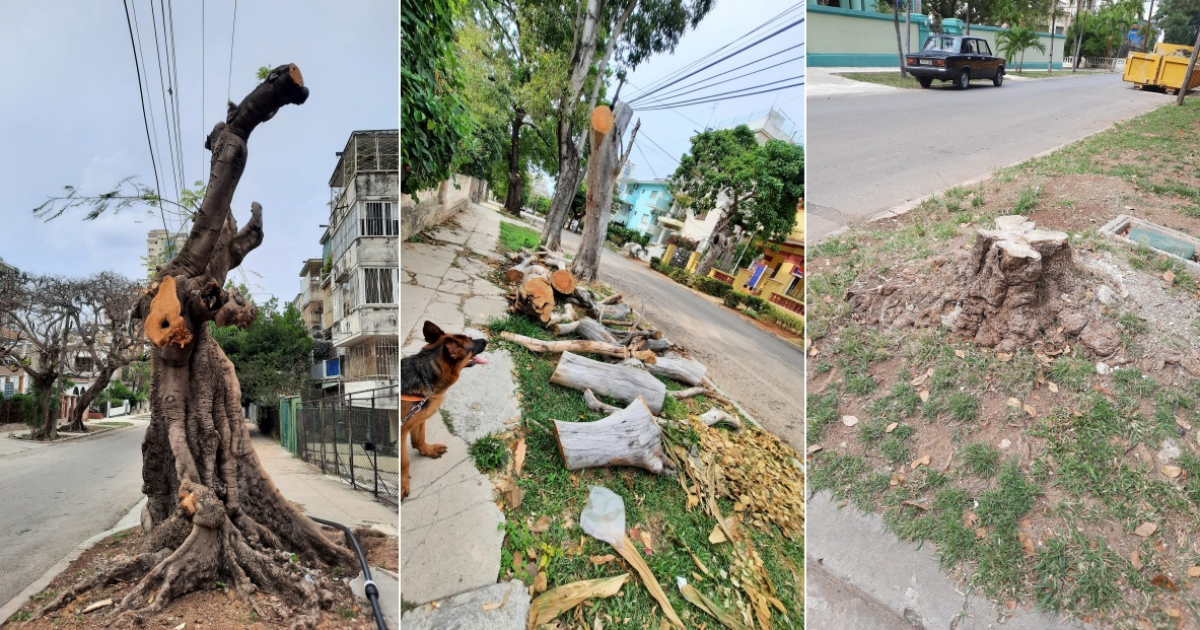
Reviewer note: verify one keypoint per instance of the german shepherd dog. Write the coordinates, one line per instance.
(424, 379)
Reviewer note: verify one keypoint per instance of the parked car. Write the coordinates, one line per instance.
(955, 58)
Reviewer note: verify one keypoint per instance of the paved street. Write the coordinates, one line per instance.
(872, 152)
(762, 372)
(55, 496)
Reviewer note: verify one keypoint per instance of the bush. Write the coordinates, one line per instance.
(682, 242)
(620, 235)
(29, 407)
(784, 319)
(733, 299)
(655, 262)
(712, 286)
(754, 302)
(681, 276)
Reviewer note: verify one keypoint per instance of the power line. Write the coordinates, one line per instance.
(677, 91)
(714, 100)
(660, 149)
(175, 96)
(232, 37)
(203, 116)
(644, 156)
(145, 119)
(689, 119)
(162, 88)
(734, 53)
(156, 154)
(655, 85)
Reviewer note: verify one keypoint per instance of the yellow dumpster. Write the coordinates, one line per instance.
(1173, 49)
(1172, 71)
(1141, 69)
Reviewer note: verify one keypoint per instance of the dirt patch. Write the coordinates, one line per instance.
(214, 607)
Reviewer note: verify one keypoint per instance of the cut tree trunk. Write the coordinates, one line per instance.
(563, 281)
(597, 405)
(628, 437)
(677, 367)
(512, 199)
(593, 330)
(617, 312)
(570, 345)
(535, 294)
(615, 381)
(604, 164)
(213, 514)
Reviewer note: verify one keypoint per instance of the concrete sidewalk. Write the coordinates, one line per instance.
(824, 82)
(320, 495)
(862, 576)
(452, 529)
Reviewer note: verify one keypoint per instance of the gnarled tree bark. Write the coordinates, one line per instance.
(213, 512)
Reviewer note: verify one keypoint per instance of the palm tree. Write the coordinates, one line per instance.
(1017, 40)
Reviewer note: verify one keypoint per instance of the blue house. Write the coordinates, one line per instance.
(642, 202)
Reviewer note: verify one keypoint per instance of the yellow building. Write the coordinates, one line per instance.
(782, 283)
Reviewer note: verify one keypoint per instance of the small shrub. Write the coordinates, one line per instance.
(655, 262)
(733, 299)
(489, 453)
(712, 286)
(754, 302)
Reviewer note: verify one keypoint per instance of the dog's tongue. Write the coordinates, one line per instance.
(478, 360)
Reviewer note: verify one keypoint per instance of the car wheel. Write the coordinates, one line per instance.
(964, 79)
(925, 81)
(998, 80)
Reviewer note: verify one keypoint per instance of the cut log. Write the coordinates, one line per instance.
(677, 367)
(613, 311)
(593, 330)
(681, 394)
(564, 328)
(628, 437)
(516, 273)
(569, 345)
(714, 416)
(563, 281)
(615, 381)
(659, 345)
(535, 295)
(612, 299)
(566, 316)
(595, 404)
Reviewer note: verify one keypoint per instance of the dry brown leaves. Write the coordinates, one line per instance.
(760, 474)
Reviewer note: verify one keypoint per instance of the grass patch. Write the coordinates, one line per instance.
(516, 237)
(490, 453)
(891, 79)
(980, 459)
(653, 504)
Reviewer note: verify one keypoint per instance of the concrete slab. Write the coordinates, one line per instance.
(858, 551)
(445, 315)
(425, 280)
(462, 289)
(476, 610)
(483, 287)
(413, 302)
(451, 531)
(388, 584)
(457, 237)
(456, 275)
(425, 261)
(484, 398)
(481, 309)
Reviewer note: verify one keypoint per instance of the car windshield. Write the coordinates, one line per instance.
(944, 44)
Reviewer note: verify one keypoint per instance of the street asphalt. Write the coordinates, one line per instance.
(56, 496)
(762, 372)
(873, 152)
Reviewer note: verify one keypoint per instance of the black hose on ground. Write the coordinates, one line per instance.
(369, 587)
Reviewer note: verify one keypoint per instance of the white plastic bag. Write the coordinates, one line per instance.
(603, 516)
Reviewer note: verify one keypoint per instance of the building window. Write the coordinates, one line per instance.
(379, 286)
(379, 219)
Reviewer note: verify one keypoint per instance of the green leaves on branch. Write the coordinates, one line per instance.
(754, 186)
(272, 356)
(433, 119)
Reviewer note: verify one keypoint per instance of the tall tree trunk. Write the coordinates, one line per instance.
(1187, 77)
(85, 399)
(720, 242)
(1078, 34)
(603, 166)
(899, 42)
(44, 385)
(1053, 17)
(512, 200)
(569, 175)
(213, 513)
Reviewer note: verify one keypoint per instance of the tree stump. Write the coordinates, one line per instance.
(628, 437)
(535, 294)
(1020, 281)
(615, 381)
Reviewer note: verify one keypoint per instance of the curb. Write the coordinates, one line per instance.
(908, 206)
(71, 436)
(133, 518)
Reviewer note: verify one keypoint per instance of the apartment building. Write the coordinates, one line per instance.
(353, 290)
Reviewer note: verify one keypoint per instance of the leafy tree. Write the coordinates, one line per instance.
(433, 119)
(752, 186)
(1016, 40)
(272, 355)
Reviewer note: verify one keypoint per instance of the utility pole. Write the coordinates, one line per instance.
(1187, 78)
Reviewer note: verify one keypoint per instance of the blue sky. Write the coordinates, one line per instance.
(729, 19)
(72, 115)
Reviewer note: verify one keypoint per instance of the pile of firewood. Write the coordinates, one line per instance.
(631, 352)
